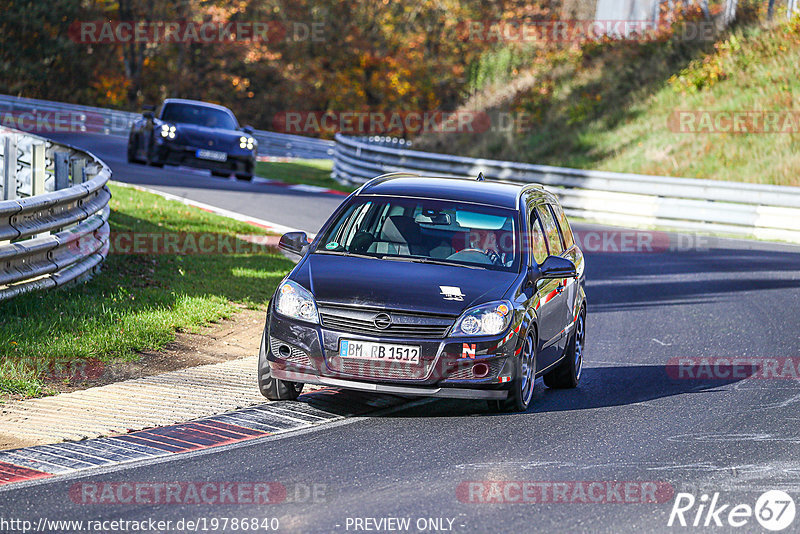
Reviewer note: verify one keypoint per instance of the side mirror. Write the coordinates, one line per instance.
(248, 130)
(148, 115)
(558, 267)
(294, 242)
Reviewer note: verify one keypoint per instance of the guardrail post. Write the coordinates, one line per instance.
(37, 169)
(61, 168)
(10, 167)
(77, 172)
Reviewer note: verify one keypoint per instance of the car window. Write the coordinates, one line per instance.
(563, 224)
(434, 231)
(199, 115)
(550, 230)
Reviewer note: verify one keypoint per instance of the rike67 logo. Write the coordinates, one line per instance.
(774, 510)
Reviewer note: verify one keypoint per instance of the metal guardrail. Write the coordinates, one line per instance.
(737, 209)
(53, 213)
(42, 116)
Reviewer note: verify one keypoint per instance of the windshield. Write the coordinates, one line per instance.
(199, 115)
(423, 230)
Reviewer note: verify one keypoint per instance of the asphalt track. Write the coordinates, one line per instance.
(633, 419)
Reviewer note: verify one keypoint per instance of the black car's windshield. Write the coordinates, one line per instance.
(199, 115)
(430, 231)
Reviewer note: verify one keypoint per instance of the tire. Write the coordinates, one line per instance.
(524, 385)
(272, 388)
(245, 177)
(152, 161)
(568, 373)
(133, 147)
(221, 174)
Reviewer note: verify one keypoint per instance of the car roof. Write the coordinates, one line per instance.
(195, 103)
(491, 192)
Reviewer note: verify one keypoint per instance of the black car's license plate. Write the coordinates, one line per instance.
(212, 155)
(379, 352)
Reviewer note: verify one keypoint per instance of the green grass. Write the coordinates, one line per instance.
(608, 106)
(302, 171)
(137, 302)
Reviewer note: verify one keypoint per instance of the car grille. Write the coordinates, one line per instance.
(382, 370)
(295, 355)
(404, 324)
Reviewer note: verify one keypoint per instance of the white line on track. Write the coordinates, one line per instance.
(268, 225)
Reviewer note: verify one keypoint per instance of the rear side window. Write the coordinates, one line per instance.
(550, 230)
(563, 223)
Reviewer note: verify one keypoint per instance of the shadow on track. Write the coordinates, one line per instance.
(601, 387)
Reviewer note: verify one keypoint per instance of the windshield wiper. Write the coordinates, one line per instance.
(348, 254)
(431, 261)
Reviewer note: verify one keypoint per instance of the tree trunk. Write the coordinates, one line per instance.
(704, 7)
(793, 8)
(730, 12)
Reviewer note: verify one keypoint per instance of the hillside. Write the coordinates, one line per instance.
(652, 107)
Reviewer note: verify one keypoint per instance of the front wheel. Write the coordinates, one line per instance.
(521, 392)
(133, 148)
(152, 160)
(273, 388)
(247, 177)
(568, 373)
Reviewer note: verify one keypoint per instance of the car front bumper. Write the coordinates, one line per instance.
(301, 352)
(395, 389)
(176, 154)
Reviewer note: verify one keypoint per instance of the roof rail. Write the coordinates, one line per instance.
(385, 178)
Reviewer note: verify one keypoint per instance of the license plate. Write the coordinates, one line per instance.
(212, 155)
(378, 352)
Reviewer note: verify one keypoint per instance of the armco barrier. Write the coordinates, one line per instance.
(709, 206)
(44, 116)
(48, 239)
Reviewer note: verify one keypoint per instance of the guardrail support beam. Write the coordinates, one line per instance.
(37, 169)
(77, 172)
(10, 167)
(61, 168)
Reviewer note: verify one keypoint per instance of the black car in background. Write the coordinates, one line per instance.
(437, 287)
(195, 134)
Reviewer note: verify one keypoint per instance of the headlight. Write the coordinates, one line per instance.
(168, 131)
(295, 301)
(485, 320)
(247, 142)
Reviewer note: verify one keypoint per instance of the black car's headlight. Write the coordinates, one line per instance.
(485, 320)
(247, 142)
(168, 131)
(295, 301)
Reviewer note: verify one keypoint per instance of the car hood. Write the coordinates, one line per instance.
(400, 285)
(211, 138)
